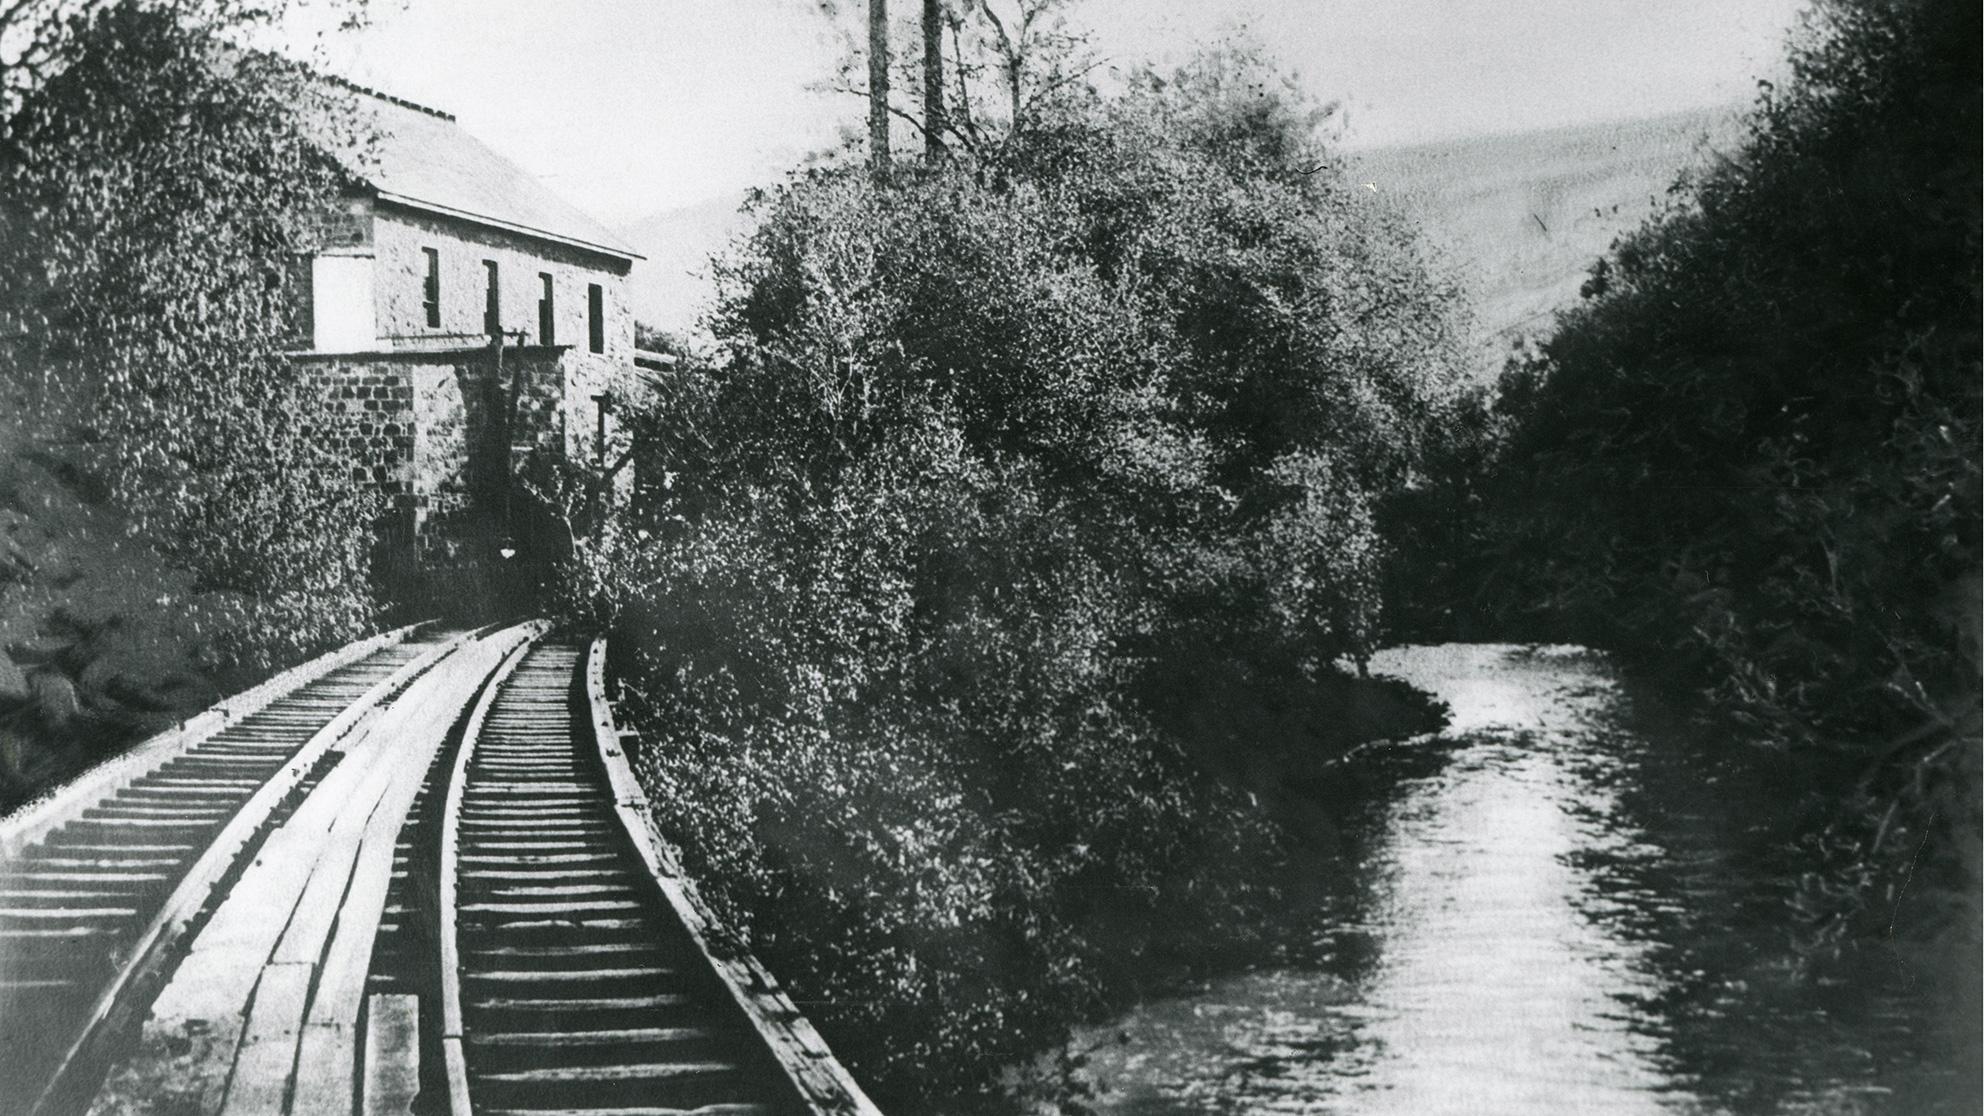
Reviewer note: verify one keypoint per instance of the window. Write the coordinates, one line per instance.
(595, 318)
(492, 301)
(547, 323)
(430, 290)
(341, 303)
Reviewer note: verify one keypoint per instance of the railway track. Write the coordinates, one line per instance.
(94, 882)
(416, 877)
(574, 976)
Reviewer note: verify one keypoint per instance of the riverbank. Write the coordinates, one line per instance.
(1550, 912)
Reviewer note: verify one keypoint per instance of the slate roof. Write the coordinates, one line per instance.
(426, 160)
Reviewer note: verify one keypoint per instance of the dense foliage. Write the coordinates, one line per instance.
(1017, 486)
(1750, 457)
(156, 194)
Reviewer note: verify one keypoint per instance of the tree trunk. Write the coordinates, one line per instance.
(878, 86)
(933, 80)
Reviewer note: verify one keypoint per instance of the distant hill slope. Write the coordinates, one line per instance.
(670, 287)
(1524, 216)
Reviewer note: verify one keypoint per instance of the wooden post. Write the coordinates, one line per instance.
(507, 471)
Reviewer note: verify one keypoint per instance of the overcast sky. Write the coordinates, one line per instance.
(630, 107)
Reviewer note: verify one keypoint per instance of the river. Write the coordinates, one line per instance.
(1547, 911)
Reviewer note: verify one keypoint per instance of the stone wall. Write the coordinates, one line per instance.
(427, 427)
(422, 411)
(399, 235)
(372, 408)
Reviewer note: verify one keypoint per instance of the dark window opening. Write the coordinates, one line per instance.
(547, 325)
(430, 289)
(595, 318)
(492, 302)
(603, 405)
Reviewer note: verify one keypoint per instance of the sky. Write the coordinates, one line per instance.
(634, 107)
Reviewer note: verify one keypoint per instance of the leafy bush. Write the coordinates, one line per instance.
(945, 577)
(1750, 457)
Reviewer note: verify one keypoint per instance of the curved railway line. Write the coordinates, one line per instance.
(416, 875)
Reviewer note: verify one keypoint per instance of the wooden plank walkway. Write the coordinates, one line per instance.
(261, 1017)
(100, 879)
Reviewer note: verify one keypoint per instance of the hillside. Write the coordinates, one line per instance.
(669, 287)
(1523, 216)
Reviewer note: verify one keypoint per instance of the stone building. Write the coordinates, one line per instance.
(464, 319)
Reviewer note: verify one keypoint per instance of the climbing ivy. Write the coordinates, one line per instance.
(158, 188)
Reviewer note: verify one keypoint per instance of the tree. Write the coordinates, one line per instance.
(1009, 471)
(933, 80)
(1750, 456)
(878, 85)
(1010, 62)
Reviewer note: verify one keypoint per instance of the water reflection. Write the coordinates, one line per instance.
(1533, 928)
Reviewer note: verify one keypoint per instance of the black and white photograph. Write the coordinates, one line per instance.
(991, 557)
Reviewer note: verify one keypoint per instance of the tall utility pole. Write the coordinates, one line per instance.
(878, 86)
(933, 80)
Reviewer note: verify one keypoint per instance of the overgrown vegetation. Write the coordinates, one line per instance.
(1015, 548)
(156, 191)
(1749, 460)
(1028, 490)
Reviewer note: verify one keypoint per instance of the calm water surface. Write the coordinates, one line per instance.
(1546, 916)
